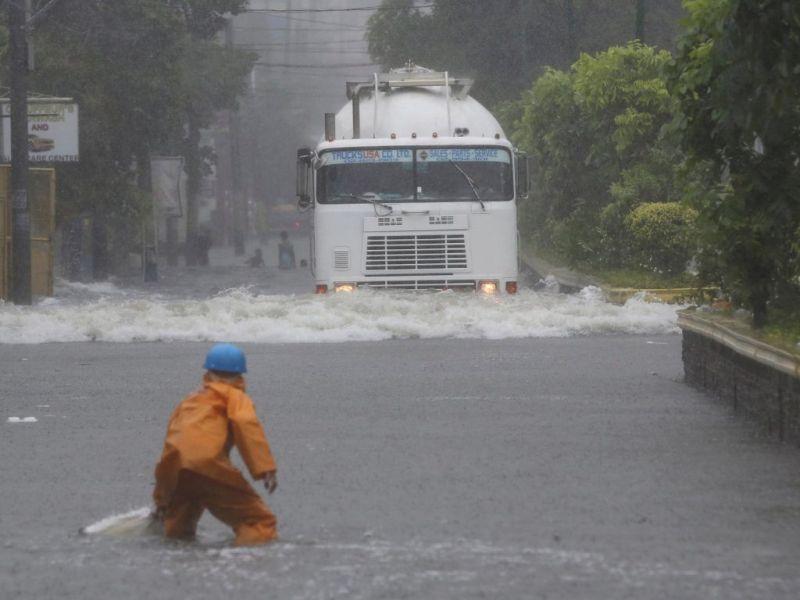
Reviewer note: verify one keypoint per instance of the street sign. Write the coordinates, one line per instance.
(166, 174)
(52, 130)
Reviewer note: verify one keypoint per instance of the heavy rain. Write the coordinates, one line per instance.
(399, 299)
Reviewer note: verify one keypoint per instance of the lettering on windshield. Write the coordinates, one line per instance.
(464, 155)
(366, 156)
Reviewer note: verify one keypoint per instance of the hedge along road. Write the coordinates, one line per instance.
(566, 468)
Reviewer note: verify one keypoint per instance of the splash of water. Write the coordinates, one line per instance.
(134, 522)
(240, 315)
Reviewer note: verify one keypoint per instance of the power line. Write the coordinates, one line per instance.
(296, 66)
(310, 94)
(323, 10)
(332, 29)
(317, 21)
(291, 43)
(306, 51)
(331, 74)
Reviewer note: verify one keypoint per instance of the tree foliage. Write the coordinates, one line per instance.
(598, 134)
(662, 236)
(506, 44)
(136, 68)
(737, 78)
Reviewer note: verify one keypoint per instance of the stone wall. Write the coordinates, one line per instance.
(752, 388)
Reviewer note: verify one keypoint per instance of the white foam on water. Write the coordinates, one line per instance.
(121, 523)
(23, 420)
(324, 569)
(102, 288)
(238, 315)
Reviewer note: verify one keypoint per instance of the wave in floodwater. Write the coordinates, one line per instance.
(103, 312)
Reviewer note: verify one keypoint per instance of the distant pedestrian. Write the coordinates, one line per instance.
(285, 252)
(203, 245)
(257, 260)
(195, 472)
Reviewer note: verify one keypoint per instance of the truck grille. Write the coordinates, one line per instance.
(341, 259)
(423, 252)
(421, 284)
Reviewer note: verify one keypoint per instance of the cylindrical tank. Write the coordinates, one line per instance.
(423, 111)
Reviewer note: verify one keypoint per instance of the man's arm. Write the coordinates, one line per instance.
(249, 438)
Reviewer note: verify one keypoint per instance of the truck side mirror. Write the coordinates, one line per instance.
(523, 175)
(303, 175)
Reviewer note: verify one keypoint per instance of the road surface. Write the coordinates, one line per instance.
(570, 463)
(558, 468)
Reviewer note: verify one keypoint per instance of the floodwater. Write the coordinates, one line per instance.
(436, 445)
(249, 313)
(564, 468)
(330, 568)
(229, 301)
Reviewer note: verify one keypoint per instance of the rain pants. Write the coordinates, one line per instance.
(195, 472)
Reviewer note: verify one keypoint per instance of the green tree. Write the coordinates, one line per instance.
(398, 30)
(600, 141)
(738, 82)
(120, 62)
(506, 44)
(139, 70)
(213, 78)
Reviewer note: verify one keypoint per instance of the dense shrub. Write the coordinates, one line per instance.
(600, 138)
(662, 236)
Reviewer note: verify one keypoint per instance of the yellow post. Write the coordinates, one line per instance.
(5, 231)
(42, 204)
(42, 207)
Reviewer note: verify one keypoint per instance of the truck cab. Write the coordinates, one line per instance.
(413, 187)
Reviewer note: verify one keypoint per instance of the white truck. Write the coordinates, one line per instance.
(413, 187)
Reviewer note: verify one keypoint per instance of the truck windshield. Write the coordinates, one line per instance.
(415, 175)
(345, 176)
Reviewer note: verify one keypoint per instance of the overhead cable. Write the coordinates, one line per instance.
(331, 66)
(325, 10)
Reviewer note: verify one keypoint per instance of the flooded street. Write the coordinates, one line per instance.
(229, 301)
(570, 465)
(327, 242)
(437, 445)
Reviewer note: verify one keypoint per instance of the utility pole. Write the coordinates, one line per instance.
(641, 11)
(20, 212)
(572, 31)
(236, 166)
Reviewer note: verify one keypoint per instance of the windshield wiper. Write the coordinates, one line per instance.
(374, 201)
(471, 183)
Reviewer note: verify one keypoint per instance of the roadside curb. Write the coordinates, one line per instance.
(761, 352)
(570, 282)
(754, 378)
(665, 295)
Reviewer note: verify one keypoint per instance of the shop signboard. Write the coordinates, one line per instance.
(52, 130)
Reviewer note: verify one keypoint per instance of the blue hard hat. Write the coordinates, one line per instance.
(227, 358)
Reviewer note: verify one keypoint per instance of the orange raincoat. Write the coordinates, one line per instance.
(195, 471)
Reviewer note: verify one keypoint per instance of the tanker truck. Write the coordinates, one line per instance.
(414, 186)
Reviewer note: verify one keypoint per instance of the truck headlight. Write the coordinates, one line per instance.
(487, 286)
(344, 287)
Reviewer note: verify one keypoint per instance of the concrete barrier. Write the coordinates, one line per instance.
(665, 295)
(570, 282)
(755, 378)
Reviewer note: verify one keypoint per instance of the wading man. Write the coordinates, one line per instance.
(195, 472)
